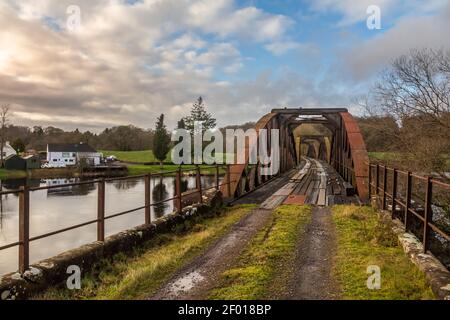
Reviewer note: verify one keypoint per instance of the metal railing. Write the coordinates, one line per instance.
(412, 194)
(24, 205)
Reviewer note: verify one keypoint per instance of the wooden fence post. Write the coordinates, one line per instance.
(408, 198)
(147, 191)
(101, 211)
(24, 229)
(394, 191)
(199, 183)
(428, 214)
(370, 183)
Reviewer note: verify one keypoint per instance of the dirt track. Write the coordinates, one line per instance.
(312, 278)
(196, 279)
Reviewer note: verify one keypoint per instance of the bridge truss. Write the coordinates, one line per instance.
(346, 151)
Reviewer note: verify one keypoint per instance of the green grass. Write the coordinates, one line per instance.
(12, 174)
(138, 169)
(141, 157)
(383, 156)
(134, 156)
(265, 258)
(365, 239)
(144, 156)
(140, 275)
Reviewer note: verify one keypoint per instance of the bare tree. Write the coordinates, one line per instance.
(4, 119)
(415, 91)
(417, 84)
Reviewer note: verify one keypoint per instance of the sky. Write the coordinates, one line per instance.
(95, 64)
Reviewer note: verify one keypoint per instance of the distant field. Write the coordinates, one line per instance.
(134, 156)
(142, 156)
(394, 157)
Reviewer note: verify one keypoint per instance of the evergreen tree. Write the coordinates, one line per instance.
(199, 113)
(18, 145)
(181, 124)
(161, 142)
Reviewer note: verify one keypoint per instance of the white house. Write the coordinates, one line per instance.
(8, 150)
(64, 154)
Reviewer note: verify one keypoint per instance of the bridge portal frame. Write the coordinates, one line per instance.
(348, 152)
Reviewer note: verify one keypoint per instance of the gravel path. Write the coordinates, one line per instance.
(195, 280)
(312, 279)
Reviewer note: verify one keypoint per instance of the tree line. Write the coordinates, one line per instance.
(124, 138)
(408, 111)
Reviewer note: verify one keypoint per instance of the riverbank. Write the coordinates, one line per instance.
(134, 169)
(57, 173)
(12, 174)
(128, 170)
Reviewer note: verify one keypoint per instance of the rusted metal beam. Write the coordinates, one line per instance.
(428, 215)
(408, 198)
(147, 180)
(309, 111)
(24, 229)
(101, 211)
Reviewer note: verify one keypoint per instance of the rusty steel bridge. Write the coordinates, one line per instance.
(322, 168)
(341, 149)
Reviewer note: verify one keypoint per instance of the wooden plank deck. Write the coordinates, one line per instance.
(314, 182)
(321, 185)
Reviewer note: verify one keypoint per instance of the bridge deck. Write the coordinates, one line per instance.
(314, 182)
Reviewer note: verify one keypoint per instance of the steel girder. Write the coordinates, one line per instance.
(348, 154)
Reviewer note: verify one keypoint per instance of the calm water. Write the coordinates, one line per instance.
(55, 209)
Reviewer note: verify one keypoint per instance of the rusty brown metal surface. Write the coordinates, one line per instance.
(348, 148)
(295, 199)
(237, 170)
(358, 153)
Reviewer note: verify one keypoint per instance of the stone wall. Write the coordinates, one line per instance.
(437, 275)
(53, 271)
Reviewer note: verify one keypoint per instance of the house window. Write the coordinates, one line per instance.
(66, 155)
(55, 160)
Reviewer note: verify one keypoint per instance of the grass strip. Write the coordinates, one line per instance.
(267, 254)
(365, 238)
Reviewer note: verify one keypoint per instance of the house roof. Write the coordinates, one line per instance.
(69, 147)
(30, 156)
(13, 156)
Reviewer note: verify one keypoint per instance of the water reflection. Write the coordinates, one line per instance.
(64, 190)
(14, 184)
(125, 184)
(66, 206)
(159, 194)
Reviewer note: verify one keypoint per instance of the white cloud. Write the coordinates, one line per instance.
(369, 56)
(128, 62)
